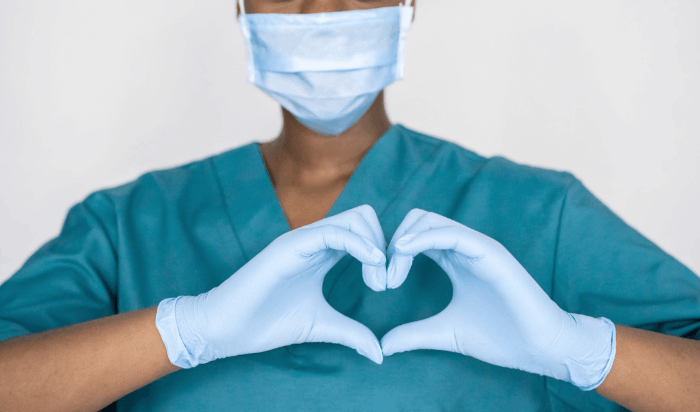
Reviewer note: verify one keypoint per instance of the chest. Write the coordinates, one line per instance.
(303, 205)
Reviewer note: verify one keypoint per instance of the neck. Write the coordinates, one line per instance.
(300, 156)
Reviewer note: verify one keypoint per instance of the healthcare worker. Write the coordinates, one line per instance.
(350, 264)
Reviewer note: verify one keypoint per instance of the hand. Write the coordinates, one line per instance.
(276, 298)
(498, 313)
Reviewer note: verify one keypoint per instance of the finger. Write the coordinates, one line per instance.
(362, 220)
(484, 258)
(461, 239)
(429, 243)
(435, 333)
(370, 217)
(416, 221)
(399, 266)
(333, 237)
(333, 327)
(408, 221)
(375, 277)
(427, 221)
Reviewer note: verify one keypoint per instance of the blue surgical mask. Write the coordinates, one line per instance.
(326, 68)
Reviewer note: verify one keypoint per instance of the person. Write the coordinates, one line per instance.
(257, 279)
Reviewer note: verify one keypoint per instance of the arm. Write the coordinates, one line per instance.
(606, 268)
(82, 367)
(654, 372)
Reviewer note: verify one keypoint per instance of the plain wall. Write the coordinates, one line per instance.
(94, 93)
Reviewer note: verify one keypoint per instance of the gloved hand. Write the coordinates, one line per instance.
(276, 299)
(498, 313)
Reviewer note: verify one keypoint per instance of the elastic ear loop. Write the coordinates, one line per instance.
(243, 21)
(406, 18)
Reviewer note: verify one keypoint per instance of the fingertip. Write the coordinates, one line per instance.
(390, 249)
(377, 355)
(384, 343)
(394, 342)
(398, 340)
(387, 350)
(390, 271)
(374, 255)
(377, 257)
(377, 358)
(374, 353)
(377, 351)
(380, 272)
(398, 270)
(372, 279)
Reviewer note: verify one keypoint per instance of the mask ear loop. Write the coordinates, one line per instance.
(243, 20)
(406, 18)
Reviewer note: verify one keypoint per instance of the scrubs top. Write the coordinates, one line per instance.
(184, 230)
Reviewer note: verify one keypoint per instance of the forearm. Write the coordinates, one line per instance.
(82, 367)
(654, 372)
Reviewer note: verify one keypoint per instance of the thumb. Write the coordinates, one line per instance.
(331, 326)
(432, 333)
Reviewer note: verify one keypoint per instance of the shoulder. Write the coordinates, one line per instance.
(181, 186)
(500, 171)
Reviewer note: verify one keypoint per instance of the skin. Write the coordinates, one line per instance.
(87, 366)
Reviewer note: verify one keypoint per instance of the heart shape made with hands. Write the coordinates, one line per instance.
(497, 312)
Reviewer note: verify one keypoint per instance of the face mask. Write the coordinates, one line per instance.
(326, 68)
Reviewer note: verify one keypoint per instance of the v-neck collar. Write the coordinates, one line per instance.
(254, 210)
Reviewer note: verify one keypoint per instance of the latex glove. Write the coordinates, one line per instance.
(276, 298)
(498, 313)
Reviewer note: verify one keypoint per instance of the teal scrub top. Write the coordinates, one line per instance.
(184, 230)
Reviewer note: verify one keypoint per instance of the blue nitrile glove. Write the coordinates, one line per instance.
(498, 313)
(276, 299)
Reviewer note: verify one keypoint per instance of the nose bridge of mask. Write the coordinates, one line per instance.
(345, 40)
(341, 42)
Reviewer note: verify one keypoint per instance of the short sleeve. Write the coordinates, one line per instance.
(604, 267)
(70, 279)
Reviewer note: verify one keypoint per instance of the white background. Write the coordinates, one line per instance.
(94, 93)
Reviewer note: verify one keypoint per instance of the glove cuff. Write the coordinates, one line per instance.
(592, 354)
(166, 324)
